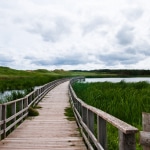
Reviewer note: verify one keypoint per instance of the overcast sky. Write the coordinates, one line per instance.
(75, 34)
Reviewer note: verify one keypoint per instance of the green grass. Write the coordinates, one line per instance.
(125, 101)
(69, 113)
(11, 79)
(14, 95)
(32, 111)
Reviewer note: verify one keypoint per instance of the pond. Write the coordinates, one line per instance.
(4, 95)
(133, 79)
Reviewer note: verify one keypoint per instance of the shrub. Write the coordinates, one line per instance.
(32, 112)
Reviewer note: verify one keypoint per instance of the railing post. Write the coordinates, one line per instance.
(91, 120)
(0, 120)
(101, 132)
(29, 98)
(75, 103)
(145, 134)
(4, 114)
(13, 111)
(25, 104)
(79, 108)
(84, 114)
(38, 93)
(127, 141)
(20, 108)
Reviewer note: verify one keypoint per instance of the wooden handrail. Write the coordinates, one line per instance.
(85, 118)
(14, 112)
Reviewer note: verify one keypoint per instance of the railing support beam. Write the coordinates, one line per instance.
(84, 114)
(13, 111)
(91, 121)
(4, 113)
(20, 108)
(0, 120)
(101, 132)
(127, 141)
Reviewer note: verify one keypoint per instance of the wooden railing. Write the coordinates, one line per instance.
(14, 112)
(89, 118)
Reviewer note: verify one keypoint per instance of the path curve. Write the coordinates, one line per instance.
(50, 130)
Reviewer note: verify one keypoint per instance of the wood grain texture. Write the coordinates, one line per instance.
(50, 130)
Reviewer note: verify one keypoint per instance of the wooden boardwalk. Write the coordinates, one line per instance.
(48, 131)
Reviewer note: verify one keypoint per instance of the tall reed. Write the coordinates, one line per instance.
(125, 101)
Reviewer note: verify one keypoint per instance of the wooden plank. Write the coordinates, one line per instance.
(49, 130)
(101, 132)
(4, 112)
(145, 137)
(146, 121)
(127, 141)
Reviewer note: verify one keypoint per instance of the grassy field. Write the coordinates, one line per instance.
(11, 79)
(125, 101)
(26, 80)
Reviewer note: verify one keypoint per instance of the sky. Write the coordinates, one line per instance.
(75, 34)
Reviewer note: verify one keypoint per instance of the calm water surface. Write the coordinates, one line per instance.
(118, 79)
(5, 94)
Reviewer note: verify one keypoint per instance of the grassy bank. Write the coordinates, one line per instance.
(11, 79)
(26, 80)
(125, 101)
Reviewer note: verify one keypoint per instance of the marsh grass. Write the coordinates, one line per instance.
(32, 111)
(125, 101)
(69, 113)
(15, 94)
(25, 84)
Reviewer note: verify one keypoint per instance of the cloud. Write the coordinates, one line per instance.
(73, 34)
(42, 62)
(5, 60)
(133, 14)
(74, 59)
(131, 51)
(71, 60)
(144, 50)
(94, 24)
(120, 58)
(50, 30)
(125, 35)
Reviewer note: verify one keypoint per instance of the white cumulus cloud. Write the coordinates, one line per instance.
(68, 34)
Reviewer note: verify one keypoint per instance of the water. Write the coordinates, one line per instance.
(115, 80)
(5, 94)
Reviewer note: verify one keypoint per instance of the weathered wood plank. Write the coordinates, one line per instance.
(145, 137)
(49, 130)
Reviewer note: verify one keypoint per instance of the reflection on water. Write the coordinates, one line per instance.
(117, 79)
(4, 95)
